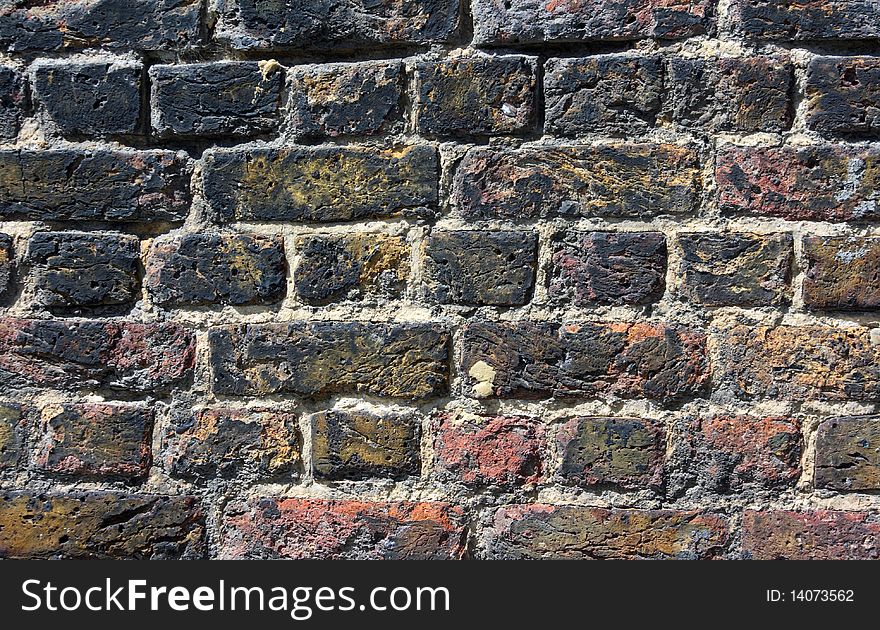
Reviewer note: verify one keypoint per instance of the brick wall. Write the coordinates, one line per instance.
(430, 278)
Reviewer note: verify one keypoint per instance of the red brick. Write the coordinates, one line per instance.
(91, 354)
(811, 535)
(525, 359)
(810, 183)
(724, 453)
(319, 529)
(796, 362)
(495, 450)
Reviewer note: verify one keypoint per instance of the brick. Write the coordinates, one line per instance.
(321, 183)
(13, 435)
(735, 269)
(848, 453)
(360, 444)
(215, 268)
(94, 354)
(624, 452)
(95, 440)
(90, 98)
(500, 22)
(64, 25)
(502, 451)
(627, 180)
(745, 94)
(335, 24)
(351, 530)
(810, 183)
(590, 268)
(350, 267)
(539, 360)
(843, 95)
(842, 273)
(80, 269)
(725, 453)
(70, 184)
(318, 359)
(347, 99)
(806, 19)
(227, 443)
(480, 268)
(7, 266)
(572, 532)
(615, 94)
(476, 96)
(796, 362)
(228, 98)
(100, 525)
(810, 535)
(12, 100)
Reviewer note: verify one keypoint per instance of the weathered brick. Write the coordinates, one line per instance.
(614, 94)
(227, 443)
(335, 24)
(628, 180)
(848, 453)
(12, 100)
(347, 99)
(69, 184)
(102, 525)
(480, 268)
(625, 452)
(540, 359)
(796, 362)
(13, 435)
(7, 265)
(502, 451)
(90, 98)
(352, 530)
(502, 22)
(350, 267)
(590, 268)
(228, 98)
(842, 272)
(735, 269)
(745, 94)
(83, 269)
(322, 358)
(843, 95)
(572, 532)
(810, 535)
(808, 183)
(476, 96)
(723, 453)
(62, 25)
(95, 440)
(215, 268)
(89, 354)
(321, 183)
(806, 19)
(359, 444)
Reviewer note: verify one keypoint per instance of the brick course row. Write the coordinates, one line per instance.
(152, 25)
(87, 270)
(439, 279)
(153, 527)
(470, 96)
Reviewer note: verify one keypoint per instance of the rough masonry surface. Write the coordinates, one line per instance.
(440, 279)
